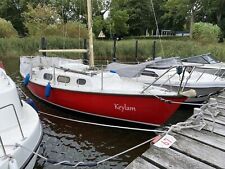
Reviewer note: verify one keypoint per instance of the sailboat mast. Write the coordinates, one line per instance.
(91, 51)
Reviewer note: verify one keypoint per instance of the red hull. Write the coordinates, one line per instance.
(134, 108)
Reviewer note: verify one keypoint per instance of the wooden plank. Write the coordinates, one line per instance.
(218, 119)
(217, 128)
(199, 151)
(205, 137)
(169, 158)
(140, 163)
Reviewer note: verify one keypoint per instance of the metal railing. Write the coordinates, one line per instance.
(181, 85)
(17, 118)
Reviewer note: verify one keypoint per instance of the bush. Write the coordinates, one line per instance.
(70, 30)
(206, 32)
(6, 29)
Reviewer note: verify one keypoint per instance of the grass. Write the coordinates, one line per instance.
(103, 49)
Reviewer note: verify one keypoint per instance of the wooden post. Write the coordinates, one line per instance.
(91, 48)
(85, 57)
(43, 45)
(114, 50)
(153, 50)
(136, 50)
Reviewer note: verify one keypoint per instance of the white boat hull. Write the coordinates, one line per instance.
(20, 128)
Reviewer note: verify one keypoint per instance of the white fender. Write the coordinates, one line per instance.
(13, 164)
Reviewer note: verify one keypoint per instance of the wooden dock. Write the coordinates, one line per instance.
(193, 149)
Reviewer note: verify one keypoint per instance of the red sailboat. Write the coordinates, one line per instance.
(71, 85)
(102, 93)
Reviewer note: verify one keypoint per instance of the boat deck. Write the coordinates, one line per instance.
(193, 148)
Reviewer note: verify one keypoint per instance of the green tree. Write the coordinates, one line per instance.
(119, 20)
(139, 16)
(206, 32)
(98, 24)
(37, 19)
(6, 29)
(183, 10)
(214, 12)
(11, 11)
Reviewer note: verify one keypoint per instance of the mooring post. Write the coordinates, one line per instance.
(85, 56)
(136, 50)
(114, 50)
(43, 45)
(153, 50)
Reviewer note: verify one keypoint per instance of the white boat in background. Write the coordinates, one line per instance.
(206, 63)
(20, 128)
(173, 75)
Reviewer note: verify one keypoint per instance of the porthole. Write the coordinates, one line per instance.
(81, 81)
(63, 79)
(48, 76)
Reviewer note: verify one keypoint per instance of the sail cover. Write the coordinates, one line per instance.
(135, 70)
(127, 70)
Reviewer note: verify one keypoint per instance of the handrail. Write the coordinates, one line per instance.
(75, 71)
(188, 77)
(181, 82)
(200, 76)
(157, 79)
(3, 148)
(168, 79)
(17, 118)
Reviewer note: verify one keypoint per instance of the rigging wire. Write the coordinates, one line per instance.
(157, 27)
(64, 28)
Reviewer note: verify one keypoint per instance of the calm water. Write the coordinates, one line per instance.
(65, 140)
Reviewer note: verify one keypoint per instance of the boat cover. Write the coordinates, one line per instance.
(134, 70)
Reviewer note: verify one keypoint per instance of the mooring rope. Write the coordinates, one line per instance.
(176, 102)
(83, 164)
(102, 125)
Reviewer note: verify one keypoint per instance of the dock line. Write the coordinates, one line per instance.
(102, 125)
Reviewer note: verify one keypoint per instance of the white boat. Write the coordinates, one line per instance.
(206, 63)
(20, 128)
(170, 73)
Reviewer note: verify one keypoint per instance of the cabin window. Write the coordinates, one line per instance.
(81, 81)
(63, 79)
(48, 76)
